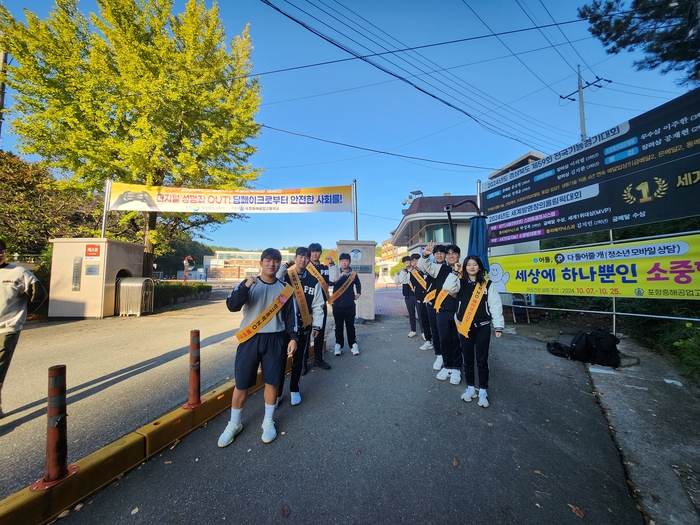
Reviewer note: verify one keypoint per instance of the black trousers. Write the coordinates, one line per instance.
(435, 334)
(318, 340)
(424, 320)
(344, 316)
(477, 344)
(411, 307)
(449, 341)
(297, 360)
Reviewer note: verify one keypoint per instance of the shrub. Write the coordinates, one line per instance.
(165, 293)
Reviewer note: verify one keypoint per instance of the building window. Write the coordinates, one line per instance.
(440, 234)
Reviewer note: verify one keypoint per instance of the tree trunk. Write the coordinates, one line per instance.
(150, 225)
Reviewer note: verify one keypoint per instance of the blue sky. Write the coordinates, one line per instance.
(500, 99)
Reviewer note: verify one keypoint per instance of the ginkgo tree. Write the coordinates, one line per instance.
(135, 94)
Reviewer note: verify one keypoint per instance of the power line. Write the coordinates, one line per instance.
(345, 48)
(376, 150)
(509, 49)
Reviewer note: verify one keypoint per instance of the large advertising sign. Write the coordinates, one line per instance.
(642, 171)
(655, 269)
(167, 199)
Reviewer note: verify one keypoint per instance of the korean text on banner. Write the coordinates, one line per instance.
(168, 199)
(656, 269)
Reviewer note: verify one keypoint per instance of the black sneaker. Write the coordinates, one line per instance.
(304, 368)
(322, 364)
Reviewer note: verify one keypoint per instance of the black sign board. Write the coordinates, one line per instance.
(642, 171)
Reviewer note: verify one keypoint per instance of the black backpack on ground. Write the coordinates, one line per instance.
(581, 348)
(605, 350)
(558, 349)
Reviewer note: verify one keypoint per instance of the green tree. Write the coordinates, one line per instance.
(137, 95)
(37, 207)
(658, 28)
(173, 261)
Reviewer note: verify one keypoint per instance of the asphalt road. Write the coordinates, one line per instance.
(377, 439)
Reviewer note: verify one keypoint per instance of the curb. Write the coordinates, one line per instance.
(102, 467)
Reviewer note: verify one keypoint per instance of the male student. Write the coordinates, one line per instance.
(310, 301)
(346, 290)
(269, 309)
(445, 308)
(403, 278)
(320, 273)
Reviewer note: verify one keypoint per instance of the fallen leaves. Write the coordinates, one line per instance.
(455, 462)
(576, 510)
(540, 474)
(136, 509)
(285, 511)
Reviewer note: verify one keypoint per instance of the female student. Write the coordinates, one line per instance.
(479, 306)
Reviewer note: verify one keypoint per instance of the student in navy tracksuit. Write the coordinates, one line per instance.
(446, 306)
(344, 304)
(403, 278)
(313, 297)
(315, 250)
(422, 284)
(488, 310)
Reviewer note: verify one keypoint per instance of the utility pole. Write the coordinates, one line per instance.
(580, 105)
(580, 89)
(3, 68)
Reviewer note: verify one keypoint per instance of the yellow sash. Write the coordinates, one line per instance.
(430, 296)
(440, 298)
(345, 286)
(463, 327)
(418, 277)
(306, 318)
(314, 271)
(249, 331)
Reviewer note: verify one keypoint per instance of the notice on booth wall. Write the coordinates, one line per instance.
(92, 269)
(75, 284)
(92, 253)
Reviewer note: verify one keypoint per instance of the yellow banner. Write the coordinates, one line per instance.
(168, 199)
(656, 269)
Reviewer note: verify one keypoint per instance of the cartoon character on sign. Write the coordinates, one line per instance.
(498, 278)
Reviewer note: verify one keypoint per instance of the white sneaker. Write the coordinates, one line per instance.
(229, 433)
(443, 374)
(355, 349)
(483, 398)
(412, 334)
(437, 365)
(296, 398)
(469, 394)
(423, 336)
(269, 431)
(337, 350)
(455, 377)
(427, 346)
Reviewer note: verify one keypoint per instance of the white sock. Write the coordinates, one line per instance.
(269, 411)
(236, 415)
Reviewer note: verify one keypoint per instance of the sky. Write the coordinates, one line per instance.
(476, 86)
